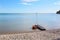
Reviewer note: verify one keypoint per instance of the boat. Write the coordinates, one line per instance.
(37, 26)
(34, 27)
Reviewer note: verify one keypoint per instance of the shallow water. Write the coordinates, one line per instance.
(24, 21)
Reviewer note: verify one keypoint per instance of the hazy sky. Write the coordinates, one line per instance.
(29, 6)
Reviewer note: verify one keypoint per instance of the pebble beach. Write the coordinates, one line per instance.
(33, 35)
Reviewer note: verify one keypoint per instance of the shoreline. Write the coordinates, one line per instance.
(17, 32)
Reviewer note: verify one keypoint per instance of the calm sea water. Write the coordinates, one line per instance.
(24, 21)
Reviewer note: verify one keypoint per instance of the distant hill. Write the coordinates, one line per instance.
(58, 12)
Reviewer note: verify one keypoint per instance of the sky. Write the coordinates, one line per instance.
(29, 6)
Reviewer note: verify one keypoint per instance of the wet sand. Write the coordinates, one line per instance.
(32, 35)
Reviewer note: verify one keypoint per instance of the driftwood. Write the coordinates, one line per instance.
(34, 27)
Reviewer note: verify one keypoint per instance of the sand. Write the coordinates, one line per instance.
(33, 35)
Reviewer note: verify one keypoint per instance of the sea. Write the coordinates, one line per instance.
(25, 21)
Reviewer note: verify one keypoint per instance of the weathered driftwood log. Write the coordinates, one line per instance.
(38, 27)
